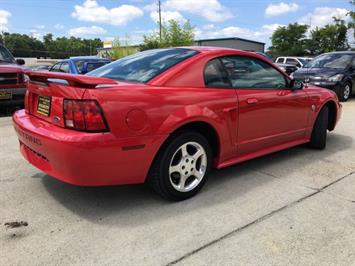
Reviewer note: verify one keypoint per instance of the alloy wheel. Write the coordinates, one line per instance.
(347, 91)
(188, 166)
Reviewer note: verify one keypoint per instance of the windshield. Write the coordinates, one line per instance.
(144, 66)
(338, 61)
(5, 55)
(303, 61)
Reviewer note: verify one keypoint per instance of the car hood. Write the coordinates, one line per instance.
(319, 72)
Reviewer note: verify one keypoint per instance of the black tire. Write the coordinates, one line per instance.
(319, 133)
(159, 177)
(345, 92)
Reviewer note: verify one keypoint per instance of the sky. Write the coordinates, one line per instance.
(109, 19)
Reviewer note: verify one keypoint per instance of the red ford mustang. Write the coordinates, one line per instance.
(167, 117)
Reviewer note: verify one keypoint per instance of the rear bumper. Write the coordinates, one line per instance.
(85, 159)
(18, 96)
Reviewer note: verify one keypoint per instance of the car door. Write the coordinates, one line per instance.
(270, 113)
(218, 86)
(294, 62)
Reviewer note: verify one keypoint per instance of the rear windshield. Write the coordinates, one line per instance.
(144, 66)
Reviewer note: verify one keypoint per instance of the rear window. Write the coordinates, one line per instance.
(144, 66)
(280, 60)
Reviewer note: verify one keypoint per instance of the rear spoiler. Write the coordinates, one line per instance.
(81, 81)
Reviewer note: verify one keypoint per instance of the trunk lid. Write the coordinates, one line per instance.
(46, 92)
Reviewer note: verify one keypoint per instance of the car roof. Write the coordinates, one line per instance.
(85, 58)
(342, 52)
(203, 49)
(75, 58)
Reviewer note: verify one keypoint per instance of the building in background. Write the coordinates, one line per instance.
(234, 42)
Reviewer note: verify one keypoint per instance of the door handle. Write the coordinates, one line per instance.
(252, 101)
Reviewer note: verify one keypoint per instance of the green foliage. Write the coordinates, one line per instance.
(22, 45)
(351, 24)
(173, 34)
(289, 40)
(330, 38)
(292, 41)
(64, 47)
(121, 50)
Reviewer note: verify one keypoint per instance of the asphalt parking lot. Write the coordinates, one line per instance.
(292, 207)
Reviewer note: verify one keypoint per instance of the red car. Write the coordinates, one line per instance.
(12, 86)
(167, 117)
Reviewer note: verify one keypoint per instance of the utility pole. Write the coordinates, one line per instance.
(159, 10)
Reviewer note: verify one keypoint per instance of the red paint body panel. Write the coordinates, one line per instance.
(140, 117)
(12, 68)
(87, 159)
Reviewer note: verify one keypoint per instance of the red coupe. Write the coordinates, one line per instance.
(168, 116)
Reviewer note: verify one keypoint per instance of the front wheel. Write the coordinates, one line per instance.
(181, 166)
(345, 92)
(319, 132)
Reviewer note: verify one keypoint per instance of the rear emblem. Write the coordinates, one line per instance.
(306, 80)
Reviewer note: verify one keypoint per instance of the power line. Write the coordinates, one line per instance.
(159, 10)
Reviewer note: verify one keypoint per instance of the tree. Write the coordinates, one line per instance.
(352, 15)
(173, 34)
(120, 50)
(289, 40)
(331, 37)
(22, 45)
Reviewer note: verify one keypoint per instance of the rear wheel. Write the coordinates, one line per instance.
(181, 166)
(319, 133)
(345, 92)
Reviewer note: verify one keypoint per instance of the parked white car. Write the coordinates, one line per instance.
(293, 60)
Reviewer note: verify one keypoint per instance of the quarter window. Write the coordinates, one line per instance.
(248, 72)
(215, 75)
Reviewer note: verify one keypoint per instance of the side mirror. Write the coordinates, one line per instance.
(296, 84)
(20, 62)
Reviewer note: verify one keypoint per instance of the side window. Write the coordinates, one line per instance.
(79, 66)
(55, 68)
(92, 66)
(280, 60)
(292, 61)
(252, 73)
(64, 67)
(215, 76)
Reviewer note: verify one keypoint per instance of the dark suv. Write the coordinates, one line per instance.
(12, 84)
(334, 71)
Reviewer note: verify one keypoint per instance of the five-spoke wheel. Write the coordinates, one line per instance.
(188, 166)
(181, 166)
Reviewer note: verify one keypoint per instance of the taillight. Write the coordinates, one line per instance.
(84, 115)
